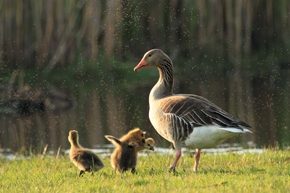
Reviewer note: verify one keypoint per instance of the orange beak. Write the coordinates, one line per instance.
(141, 64)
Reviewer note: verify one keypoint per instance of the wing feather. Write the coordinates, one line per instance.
(189, 111)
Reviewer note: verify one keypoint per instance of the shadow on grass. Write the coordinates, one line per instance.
(240, 171)
(141, 182)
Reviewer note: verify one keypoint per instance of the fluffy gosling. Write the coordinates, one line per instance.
(149, 145)
(84, 159)
(124, 156)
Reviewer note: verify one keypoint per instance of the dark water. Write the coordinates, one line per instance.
(36, 117)
(31, 117)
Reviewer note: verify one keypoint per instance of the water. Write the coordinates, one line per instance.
(106, 150)
(32, 117)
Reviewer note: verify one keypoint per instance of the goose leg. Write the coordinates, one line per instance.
(177, 156)
(133, 170)
(196, 156)
(81, 173)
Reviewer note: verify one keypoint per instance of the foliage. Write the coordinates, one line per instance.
(265, 172)
(47, 34)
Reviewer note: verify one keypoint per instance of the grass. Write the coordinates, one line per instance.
(266, 172)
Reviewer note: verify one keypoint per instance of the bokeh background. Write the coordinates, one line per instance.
(69, 65)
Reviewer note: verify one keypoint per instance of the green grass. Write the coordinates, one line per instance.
(266, 172)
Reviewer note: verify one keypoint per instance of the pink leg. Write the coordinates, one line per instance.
(196, 156)
(177, 156)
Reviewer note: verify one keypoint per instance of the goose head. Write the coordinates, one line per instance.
(154, 58)
(157, 58)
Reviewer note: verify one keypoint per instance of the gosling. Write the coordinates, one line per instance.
(124, 157)
(84, 159)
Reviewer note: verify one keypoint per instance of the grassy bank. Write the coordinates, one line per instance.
(266, 172)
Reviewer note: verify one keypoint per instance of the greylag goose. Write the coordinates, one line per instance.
(84, 159)
(124, 156)
(185, 119)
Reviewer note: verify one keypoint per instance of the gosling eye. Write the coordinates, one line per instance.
(142, 134)
(149, 55)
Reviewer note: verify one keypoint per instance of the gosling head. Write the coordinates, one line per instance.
(137, 134)
(73, 137)
(149, 144)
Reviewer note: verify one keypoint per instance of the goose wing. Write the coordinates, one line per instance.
(189, 111)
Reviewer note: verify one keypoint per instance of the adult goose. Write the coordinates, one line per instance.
(185, 119)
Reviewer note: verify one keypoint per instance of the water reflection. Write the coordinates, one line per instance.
(31, 118)
(106, 150)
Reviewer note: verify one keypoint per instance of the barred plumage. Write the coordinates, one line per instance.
(185, 119)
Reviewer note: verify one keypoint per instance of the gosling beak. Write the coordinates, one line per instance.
(151, 148)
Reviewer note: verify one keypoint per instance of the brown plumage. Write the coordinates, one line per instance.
(84, 159)
(124, 156)
(149, 145)
(134, 135)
